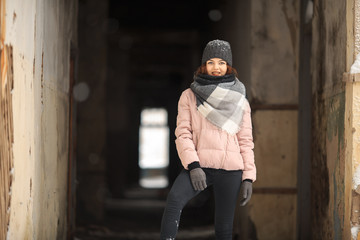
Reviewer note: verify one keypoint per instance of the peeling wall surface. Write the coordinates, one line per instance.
(41, 33)
(328, 116)
(6, 138)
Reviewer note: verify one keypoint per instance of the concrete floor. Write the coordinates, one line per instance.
(138, 216)
(184, 234)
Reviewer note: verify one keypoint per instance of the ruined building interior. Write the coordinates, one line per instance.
(88, 106)
(150, 52)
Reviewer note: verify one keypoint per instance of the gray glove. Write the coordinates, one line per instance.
(245, 192)
(198, 179)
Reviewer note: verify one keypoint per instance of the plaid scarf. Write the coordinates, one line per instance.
(221, 100)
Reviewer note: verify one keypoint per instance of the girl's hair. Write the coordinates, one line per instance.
(202, 70)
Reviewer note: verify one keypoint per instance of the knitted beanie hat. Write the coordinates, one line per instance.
(217, 49)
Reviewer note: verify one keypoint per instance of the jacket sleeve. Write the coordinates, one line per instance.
(245, 138)
(183, 132)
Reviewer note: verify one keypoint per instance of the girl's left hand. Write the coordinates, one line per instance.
(245, 192)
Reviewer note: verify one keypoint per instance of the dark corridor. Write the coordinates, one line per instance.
(136, 55)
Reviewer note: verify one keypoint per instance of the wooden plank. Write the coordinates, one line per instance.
(6, 137)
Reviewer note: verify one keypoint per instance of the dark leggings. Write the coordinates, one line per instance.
(226, 188)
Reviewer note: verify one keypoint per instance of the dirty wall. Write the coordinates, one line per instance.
(328, 63)
(274, 100)
(38, 37)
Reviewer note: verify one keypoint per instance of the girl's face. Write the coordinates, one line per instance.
(216, 67)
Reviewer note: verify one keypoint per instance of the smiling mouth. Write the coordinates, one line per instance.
(216, 73)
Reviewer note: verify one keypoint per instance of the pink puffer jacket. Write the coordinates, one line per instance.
(199, 140)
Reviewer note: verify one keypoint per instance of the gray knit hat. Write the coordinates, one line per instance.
(217, 49)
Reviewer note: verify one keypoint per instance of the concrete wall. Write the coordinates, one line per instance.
(274, 58)
(274, 92)
(41, 34)
(329, 197)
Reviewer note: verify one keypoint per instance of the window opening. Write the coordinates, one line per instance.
(153, 148)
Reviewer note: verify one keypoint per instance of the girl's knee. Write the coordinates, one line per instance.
(174, 198)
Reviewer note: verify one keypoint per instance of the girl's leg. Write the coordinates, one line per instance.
(226, 190)
(181, 192)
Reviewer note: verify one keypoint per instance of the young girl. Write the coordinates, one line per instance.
(214, 142)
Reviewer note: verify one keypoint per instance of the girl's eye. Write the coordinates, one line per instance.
(209, 62)
(222, 63)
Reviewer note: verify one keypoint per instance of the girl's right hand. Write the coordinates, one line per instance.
(198, 179)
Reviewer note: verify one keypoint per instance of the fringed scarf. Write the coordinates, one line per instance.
(221, 100)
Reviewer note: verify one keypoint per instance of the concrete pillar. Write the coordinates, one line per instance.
(351, 77)
(39, 34)
(329, 163)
